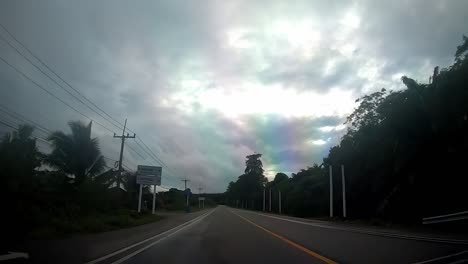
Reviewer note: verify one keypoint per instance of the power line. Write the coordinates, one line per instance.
(15, 128)
(8, 125)
(115, 161)
(51, 94)
(154, 156)
(53, 80)
(127, 167)
(69, 85)
(138, 153)
(158, 160)
(58, 76)
(151, 152)
(17, 122)
(21, 118)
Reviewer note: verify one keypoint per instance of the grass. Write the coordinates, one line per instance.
(61, 227)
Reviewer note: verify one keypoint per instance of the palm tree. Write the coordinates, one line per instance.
(76, 154)
(19, 158)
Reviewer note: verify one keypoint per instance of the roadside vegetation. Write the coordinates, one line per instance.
(405, 154)
(69, 190)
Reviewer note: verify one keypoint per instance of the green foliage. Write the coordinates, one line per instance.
(56, 227)
(248, 185)
(253, 164)
(77, 153)
(279, 178)
(405, 151)
(404, 155)
(19, 158)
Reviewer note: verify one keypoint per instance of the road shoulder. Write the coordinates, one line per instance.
(82, 248)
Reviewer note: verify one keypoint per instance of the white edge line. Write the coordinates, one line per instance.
(368, 232)
(446, 215)
(143, 241)
(441, 258)
(460, 261)
(129, 256)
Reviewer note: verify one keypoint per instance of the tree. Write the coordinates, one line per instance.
(404, 151)
(249, 185)
(76, 154)
(19, 158)
(280, 177)
(253, 164)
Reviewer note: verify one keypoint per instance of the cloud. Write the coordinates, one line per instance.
(206, 85)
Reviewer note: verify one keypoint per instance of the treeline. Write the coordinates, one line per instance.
(69, 190)
(404, 154)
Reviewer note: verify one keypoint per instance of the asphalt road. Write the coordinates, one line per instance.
(227, 235)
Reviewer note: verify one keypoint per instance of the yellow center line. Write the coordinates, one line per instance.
(292, 243)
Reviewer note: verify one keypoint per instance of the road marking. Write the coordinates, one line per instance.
(179, 227)
(292, 243)
(460, 261)
(14, 255)
(374, 233)
(129, 256)
(441, 258)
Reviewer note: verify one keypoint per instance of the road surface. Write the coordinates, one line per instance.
(227, 235)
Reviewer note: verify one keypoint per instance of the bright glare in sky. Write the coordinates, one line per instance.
(319, 142)
(332, 128)
(255, 98)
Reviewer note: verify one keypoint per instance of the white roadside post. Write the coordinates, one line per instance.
(154, 199)
(344, 190)
(270, 199)
(331, 192)
(279, 192)
(263, 199)
(201, 202)
(139, 198)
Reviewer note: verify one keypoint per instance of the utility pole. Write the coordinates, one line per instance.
(344, 190)
(331, 191)
(185, 183)
(123, 137)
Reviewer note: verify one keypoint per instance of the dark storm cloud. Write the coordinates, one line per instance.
(131, 59)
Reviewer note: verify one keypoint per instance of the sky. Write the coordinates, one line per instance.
(205, 83)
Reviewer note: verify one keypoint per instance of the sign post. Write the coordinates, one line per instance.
(149, 175)
(139, 198)
(201, 202)
(154, 199)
